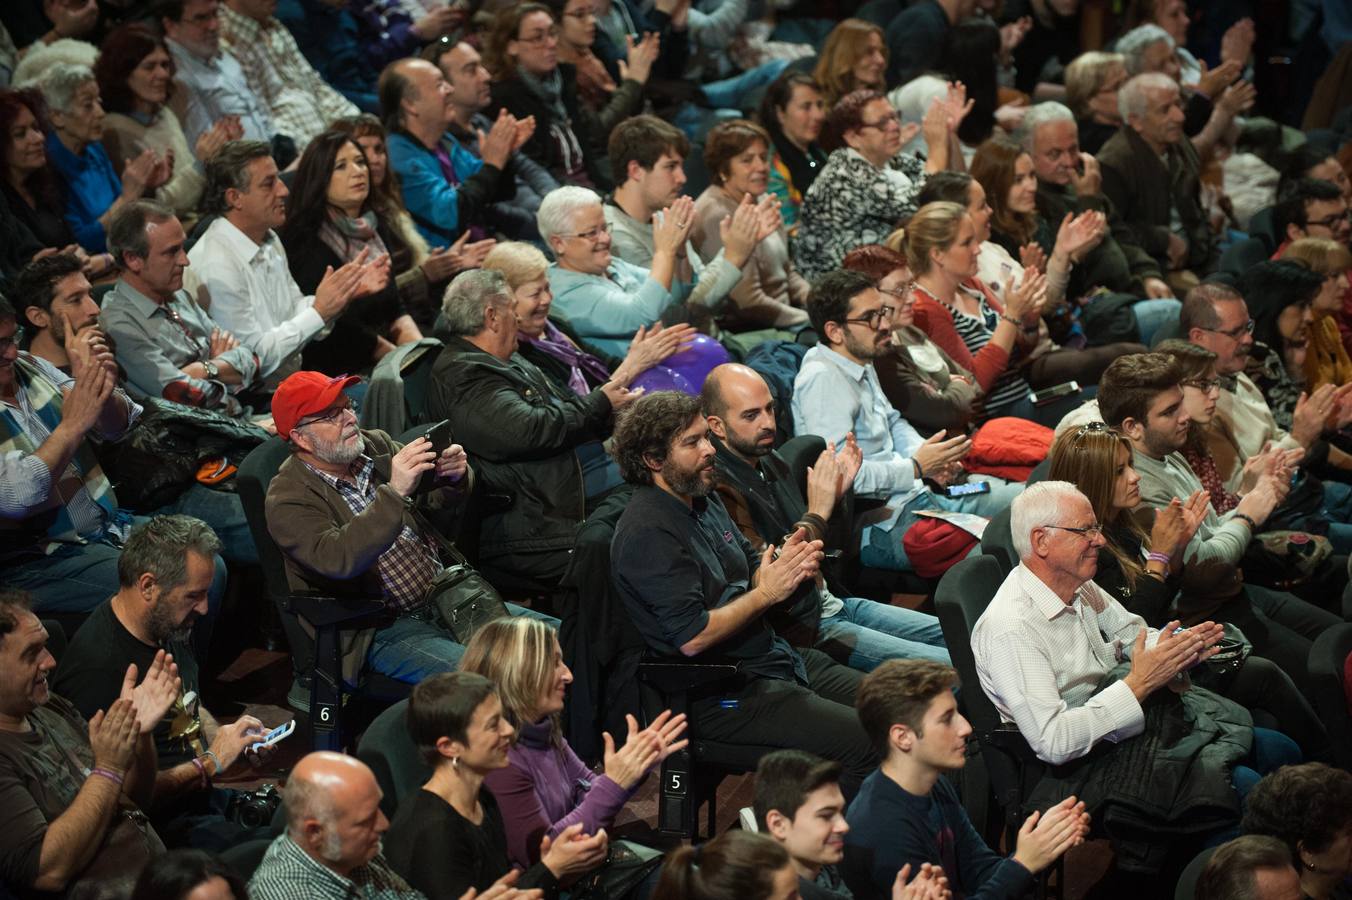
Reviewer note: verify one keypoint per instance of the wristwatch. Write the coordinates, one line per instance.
(213, 373)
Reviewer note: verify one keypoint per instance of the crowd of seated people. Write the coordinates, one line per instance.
(479, 354)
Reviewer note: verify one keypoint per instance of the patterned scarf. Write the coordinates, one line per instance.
(347, 237)
(579, 362)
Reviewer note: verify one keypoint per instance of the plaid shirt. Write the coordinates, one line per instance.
(289, 873)
(408, 567)
(300, 101)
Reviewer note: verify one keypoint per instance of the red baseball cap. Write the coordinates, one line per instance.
(303, 394)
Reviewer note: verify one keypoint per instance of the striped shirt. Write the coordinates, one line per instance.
(289, 873)
(976, 332)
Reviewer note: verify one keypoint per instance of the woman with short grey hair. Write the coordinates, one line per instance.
(93, 191)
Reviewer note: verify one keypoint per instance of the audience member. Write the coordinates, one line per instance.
(214, 84)
(908, 816)
(59, 306)
(1152, 174)
(18, 245)
(386, 32)
(837, 393)
(771, 293)
(448, 838)
(917, 375)
(243, 268)
(74, 790)
(135, 76)
(331, 221)
(693, 585)
(1309, 809)
(606, 298)
(853, 57)
(165, 574)
(167, 345)
(1255, 866)
(1092, 81)
(790, 782)
(527, 437)
(915, 36)
(1326, 361)
(1069, 181)
(327, 35)
(1314, 162)
(331, 848)
(1043, 649)
(550, 343)
(447, 188)
(189, 875)
(736, 865)
(31, 188)
(471, 95)
(1312, 208)
(759, 492)
(58, 507)
(1050, 40)
(793, 113)
(298, 100)
(1173, 17)
(868, 187)
(545, 788)
(1282, 293)
(93, 192)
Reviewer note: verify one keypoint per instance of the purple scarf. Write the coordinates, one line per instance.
(556, 344)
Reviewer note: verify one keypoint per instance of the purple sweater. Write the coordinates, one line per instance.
(544, 789)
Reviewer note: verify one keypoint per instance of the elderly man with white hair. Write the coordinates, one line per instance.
(607, 299)
(1152, 174)
(331, 847)
(93, 190)
(1072, 668)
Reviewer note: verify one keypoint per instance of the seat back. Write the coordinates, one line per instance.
(1186, 888)
(1328, 688)
(417, 374)
(963, 594)
(244, 859)
(255, 474)
(997, 541)
(392, 756)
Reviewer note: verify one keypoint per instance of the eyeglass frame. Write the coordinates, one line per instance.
(555, 32)
(1233, 334)
(331, 416)
(15, 339)
(590, 235)
(881, 124)
(1088, 531)
(1206, 386)
(879, 315)
(1332, 220)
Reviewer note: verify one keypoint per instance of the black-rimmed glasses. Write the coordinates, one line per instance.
(874, 319)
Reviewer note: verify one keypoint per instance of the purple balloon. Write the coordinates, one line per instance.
(660, 378)
(697, 360)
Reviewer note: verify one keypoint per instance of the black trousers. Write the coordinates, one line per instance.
(818, 719)
(1282, 627)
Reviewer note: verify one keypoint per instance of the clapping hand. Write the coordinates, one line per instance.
(929, 883)
(155, 694)
(643, 749)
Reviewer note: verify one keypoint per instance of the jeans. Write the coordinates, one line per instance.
(880, 545)
(1338, 511)
(224, 512)
(726, 98)
(865, 633)
(1152, 315)
(1271, 750)
(410, 649)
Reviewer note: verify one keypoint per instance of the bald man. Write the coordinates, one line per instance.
(767, 504)
(331, 847)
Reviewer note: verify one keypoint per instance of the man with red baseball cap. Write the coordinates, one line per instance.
(348, 516)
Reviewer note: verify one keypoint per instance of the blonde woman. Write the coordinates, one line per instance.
(1092, 82)
(853, 57)
(545, 788)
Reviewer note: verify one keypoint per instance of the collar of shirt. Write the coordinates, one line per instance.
(230, 238)
(143, 304)
(1045, 599)
(851, 368)
(365, 466)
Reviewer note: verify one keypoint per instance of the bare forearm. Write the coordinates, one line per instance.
(663, 268)
(74, 836)
(727, 620)
(59, 449)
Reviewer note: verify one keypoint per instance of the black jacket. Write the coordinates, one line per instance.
(519, 430)
(513, 95)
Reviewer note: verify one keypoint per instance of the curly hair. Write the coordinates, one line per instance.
(1308, 805)
(646, 429)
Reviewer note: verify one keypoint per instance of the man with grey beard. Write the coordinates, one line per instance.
(164, 573)
(351, 516)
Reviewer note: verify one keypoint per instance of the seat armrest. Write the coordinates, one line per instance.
(322, 611)
(1008, 738)
(672, 675)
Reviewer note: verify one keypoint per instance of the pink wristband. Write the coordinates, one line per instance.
(109, 774)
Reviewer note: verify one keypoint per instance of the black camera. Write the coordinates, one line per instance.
(253, 809)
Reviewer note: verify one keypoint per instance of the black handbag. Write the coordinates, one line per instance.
(626, 866)
(463, 600)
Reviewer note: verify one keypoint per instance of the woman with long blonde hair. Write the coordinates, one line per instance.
(853, 57)
(545, 788)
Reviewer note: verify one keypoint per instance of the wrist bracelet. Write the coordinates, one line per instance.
(112, 776)
(919, 472)
(215, 761)
(1017, 323)
(1253, 526)
(201, 771)
(1161, 558)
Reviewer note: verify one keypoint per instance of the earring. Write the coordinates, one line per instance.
(455, 763)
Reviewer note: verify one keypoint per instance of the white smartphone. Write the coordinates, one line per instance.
(276, 735)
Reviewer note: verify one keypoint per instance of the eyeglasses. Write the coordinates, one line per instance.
(1331, 220)
(874, 319)
(1205, 385)
(1233, 334)
(14, 340)
(1088, 531)
(544, 36)
(899, 292)
(590, 235)
(884, 123)
(333, 415)
(581, 15)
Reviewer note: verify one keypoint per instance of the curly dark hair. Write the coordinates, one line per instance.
(1309, 804)
(646, 428)
(35, 283)
(120, 53)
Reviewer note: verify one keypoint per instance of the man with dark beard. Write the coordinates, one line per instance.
(164, 575)
(694, 586)
(765, 502)
(57, 305)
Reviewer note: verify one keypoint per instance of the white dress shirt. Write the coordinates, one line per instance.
(250, 293)
(1040, 660)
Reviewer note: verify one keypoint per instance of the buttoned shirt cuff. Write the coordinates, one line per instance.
(310, 321)
(1118, 700)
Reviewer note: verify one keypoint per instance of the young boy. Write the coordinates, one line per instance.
(905, 814)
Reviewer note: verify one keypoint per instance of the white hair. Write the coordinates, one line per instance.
(1132, 100)
(41, 57)
(1134, 43)
(560, 206)
(1042, 114)
(60, 83)
(1043, 503)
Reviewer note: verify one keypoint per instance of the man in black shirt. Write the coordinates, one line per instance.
(164, 573)
(693, 585)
